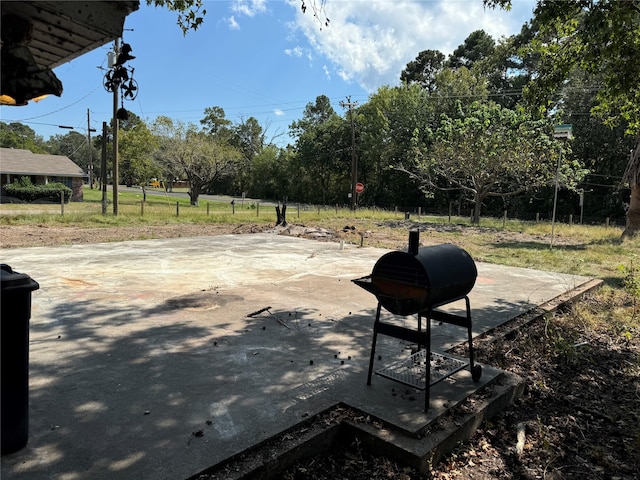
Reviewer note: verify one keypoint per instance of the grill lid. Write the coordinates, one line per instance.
(407, 283)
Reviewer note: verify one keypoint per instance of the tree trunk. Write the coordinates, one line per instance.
(476, 208)
(632, 175)
(193, 197)
(633, 213)
(281, 214)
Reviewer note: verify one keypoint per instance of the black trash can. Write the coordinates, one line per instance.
(15, 306)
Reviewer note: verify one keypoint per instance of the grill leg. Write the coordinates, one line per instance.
(427, 367)
(466, 299)
(373, 344)
(476, 370)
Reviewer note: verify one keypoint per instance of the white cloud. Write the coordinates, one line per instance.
(278, 113)
(296, 51)
(249, 8)
(233, 24)
(370, 42)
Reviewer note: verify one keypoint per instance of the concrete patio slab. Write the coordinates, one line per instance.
(136, 346)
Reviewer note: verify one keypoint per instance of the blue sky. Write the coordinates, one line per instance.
(264, 59)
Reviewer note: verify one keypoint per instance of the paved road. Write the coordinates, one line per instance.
(210, 198)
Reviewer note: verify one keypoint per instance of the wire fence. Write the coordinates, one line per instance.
(247, 210)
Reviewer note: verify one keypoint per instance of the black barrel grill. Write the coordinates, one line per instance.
(419, 281)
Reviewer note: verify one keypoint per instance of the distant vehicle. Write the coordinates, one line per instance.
(155, 183)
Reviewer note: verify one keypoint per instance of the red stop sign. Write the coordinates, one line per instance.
(359, 187)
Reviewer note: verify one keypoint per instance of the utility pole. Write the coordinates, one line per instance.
(89, 147)
(115, 137)
(354, 159)
(103, 168)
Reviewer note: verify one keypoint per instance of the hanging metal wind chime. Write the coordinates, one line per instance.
(121, 77)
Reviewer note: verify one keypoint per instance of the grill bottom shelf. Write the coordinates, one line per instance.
(412, 371)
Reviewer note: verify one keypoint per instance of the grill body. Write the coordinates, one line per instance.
(417, 282)
(407, 283)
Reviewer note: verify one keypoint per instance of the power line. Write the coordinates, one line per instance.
(24, 120)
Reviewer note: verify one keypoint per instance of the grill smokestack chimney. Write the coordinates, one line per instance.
(414, 241)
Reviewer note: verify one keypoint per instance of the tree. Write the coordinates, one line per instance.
(632, 176)
(507, 69)
(477, 46)
(314, 114)
(136, 146)
(17, 135)
(456, 88)
(322, 150)
(190, 12)
(394, 122)
(601, 38)
(270, 173)
(502, 65)
(602, 149)
(492, 151)
(187, 153)
(73, 145)
(248, 138)
(423, 69)
(215, 122)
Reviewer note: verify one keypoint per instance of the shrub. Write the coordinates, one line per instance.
(27, 191)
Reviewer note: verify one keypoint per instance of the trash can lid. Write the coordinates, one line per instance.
(10, 280)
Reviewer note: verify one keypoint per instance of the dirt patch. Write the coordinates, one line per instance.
(391, 235)
(13, 236)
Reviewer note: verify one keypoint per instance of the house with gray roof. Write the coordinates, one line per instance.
(41, 168)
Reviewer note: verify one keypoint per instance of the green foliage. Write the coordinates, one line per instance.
(74, 145)
(423, 69)
(136, 147)
(17, 135)
(563, 345)
(599, 37)
(477, 46)
(602, 149)
(490, 151)
(270, 176)
(499, 66)
(215, 123)
(322, 154)
(24, 190)
(456, 88)
(184, 152)
(391, 125)
(631, 283)
(190, 12)
(248, 138)
(631, 280)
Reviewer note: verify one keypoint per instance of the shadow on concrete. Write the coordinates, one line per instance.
(139, 368)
